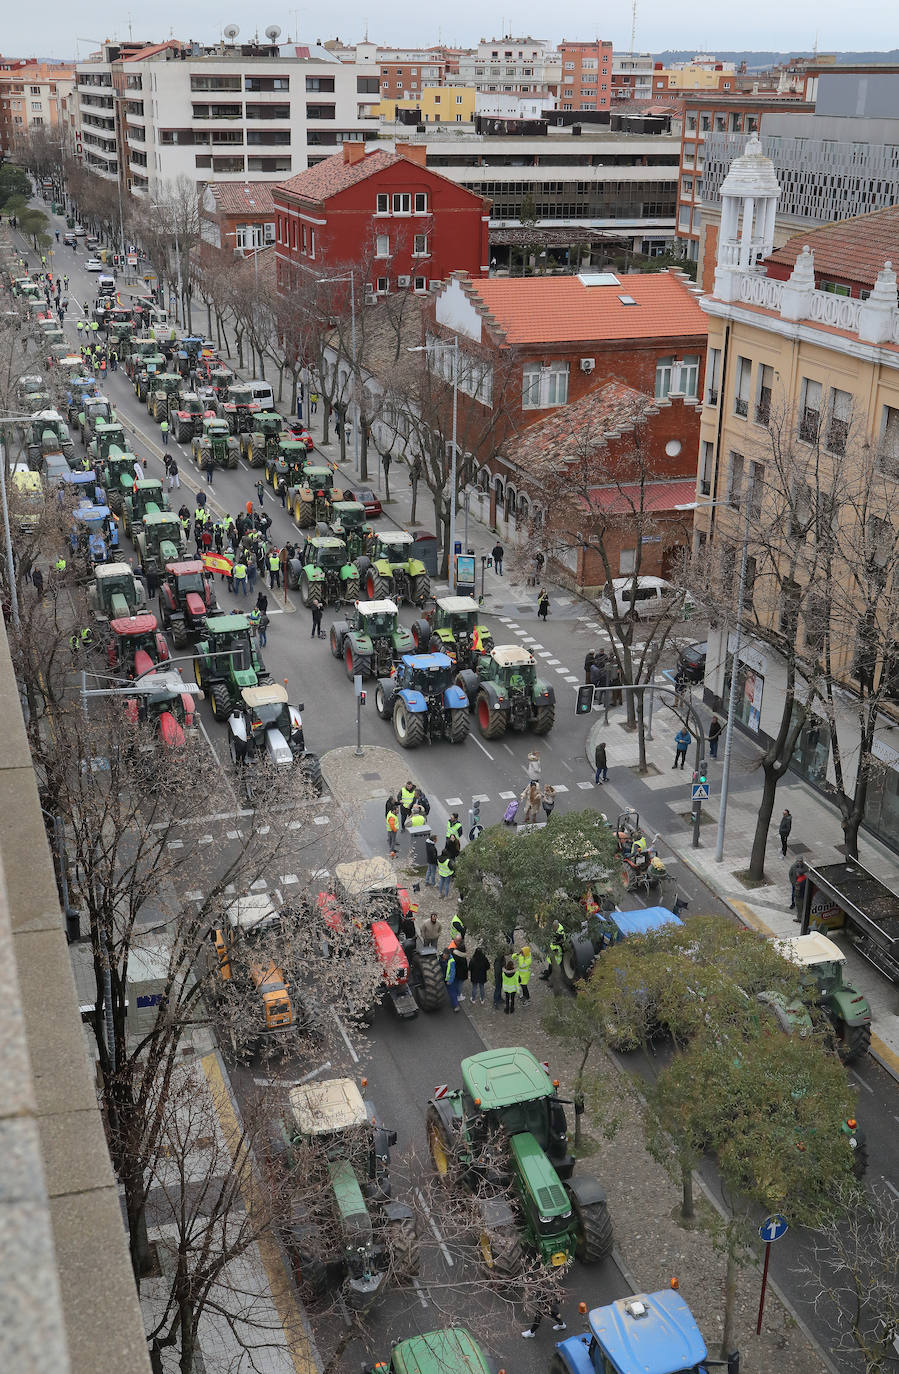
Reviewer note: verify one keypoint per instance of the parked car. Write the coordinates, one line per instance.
(369, 500)
(691, 661)
(70, 238)
(93, 265)
(642, 597)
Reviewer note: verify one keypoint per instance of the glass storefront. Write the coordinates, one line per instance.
(882, 803)
(812, 752)
(750, 690)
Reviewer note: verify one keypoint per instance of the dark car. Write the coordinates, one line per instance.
(691, 661)
(369, 500)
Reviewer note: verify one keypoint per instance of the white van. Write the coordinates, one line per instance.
(642, 597)
(263, 395)
(105, 285)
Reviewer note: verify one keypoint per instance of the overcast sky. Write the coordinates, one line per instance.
(53, 28)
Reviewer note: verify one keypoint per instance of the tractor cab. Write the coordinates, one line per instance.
(159, 540)
(106, 437)
(370, 885)
(452, 628)
(97, 410)
(116, 593)
(95, 532)
(429, 674)
(649, 1331)
(238, 407)
(286, 465)
(267, 724)
(145, 498)
(185, 599)
(389, 569)
(248, 959)
(348, 523)
(376, 618)
(186, 414)
(136, 645)
(166, 702)
(117, 474)
(453, 1351)
(512, 666)
(49, 432)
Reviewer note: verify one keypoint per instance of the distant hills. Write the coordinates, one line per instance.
(757, 61)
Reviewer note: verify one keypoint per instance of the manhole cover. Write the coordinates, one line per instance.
(804, 848)
(372, 777)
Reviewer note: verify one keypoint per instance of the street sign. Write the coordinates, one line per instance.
(475, 831)
(699, 791)
(132, 259)
(357, 684)
(772, 1228)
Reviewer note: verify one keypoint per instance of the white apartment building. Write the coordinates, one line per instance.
(524, 66)
(632, 75)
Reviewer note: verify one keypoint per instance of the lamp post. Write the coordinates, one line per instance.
(426, 348)
(7, 533)
(351, 278)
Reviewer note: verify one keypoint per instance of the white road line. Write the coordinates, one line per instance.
(861, 1082)
(551, 663)
(545, 653)
(289, 879)
(195, 896)
(572, 679)
(479, 797)
(512, 624)
(520, 633)
(233, 834)
(891, 1188)
(570, 769)
(418, 1288)
(453, 801)
(562, 672)
(205, 839)
(263, 830)
(346, 1039)
(507, 796)
(294, 825)
(476, 741)
(509, 750)
(293, 1082)
(260, 885)
(321, 820)
(175, 844)
(586, 786)
(433, 1225)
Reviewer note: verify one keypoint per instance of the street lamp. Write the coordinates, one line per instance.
(426, 348)
(351, 278)
(7, 534)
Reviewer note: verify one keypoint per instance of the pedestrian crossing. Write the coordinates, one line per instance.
(453, 803)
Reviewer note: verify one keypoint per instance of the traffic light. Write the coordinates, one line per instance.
(361, 698)
(584, 700)
(701, 774)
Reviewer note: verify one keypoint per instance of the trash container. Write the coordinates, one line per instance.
(425, 550)
(419, 838)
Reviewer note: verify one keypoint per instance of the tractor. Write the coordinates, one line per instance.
(96, 410)
(846, 1008)
(119, 334)
(80, 389)
(185, 356)
(328, 575)
(116, 594)
(186, 597)
(649, 1331)
(249, 957)
(106, 437)
(373, 641)
(95, 533)
(160, 540)
(345, 1227)
(217, 377)
(260, 443)
(165, 388)
(423, 701)
(238, 407)
(144, 498)
(31, 394)
(135, 645)
(139, 349)
(452, 628)
(117, 475)
(507, 1126)
(226, 662)
(48, 433)
(216, 442)
(387, 568)
(284, 466)
(146, 370)
(186, 414)
(310, 500)
(453, 1351)
(166, 703)
(507, 694)
(264, 726)
(348, 523)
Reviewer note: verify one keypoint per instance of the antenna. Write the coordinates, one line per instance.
(634, 27)
(231, 31)
(272, 33)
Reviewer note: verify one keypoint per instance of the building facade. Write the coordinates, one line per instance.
(527, 66)
(404, 75)
(36, 96)
(586, 75)
(237, 217)
(632, 76)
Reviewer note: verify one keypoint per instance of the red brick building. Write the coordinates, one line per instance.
(404, 225)
(848, 254)
(237, 216)
(586, 80)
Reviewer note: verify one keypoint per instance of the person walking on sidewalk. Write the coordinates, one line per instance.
(589, 660)
(549, 800)
(164, 427)
(600, 763)
(552, 1310)
(431, 856)
(497, 553)
(448, 960)
(783, 830)
(681, 745)
(798, 875)
(543, 604)
(445, 870)
(714, 734)
(316, 609)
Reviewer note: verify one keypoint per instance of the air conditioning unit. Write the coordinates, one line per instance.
(588, 364)
(404, 281)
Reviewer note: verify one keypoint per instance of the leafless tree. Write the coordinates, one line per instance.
(169, 231)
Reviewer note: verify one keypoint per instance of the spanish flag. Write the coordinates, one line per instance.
(217, 562)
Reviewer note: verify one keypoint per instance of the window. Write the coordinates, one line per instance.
(402, 203)
(458, 99)
(35, 104)
(383, 286)
(763, 394)
(320, 84)
(421, 203)
(741, 386)
(544, 386)
(420, 246)
(421, 284)
(809, 411)
(35, 90)
(382, 246)
(688, 382)
(589, 64)
(321, 112)
(706, 460)
(840, 415)
(383, 205)
(889, 441)
(367, 85)
(713, 367)
(734, 479)
(664, 367)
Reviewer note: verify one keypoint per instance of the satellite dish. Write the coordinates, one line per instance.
(231, 32)
(273, 33)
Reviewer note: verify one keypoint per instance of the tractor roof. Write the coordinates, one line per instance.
(227, 624)
(268, 415)
(654, 1332)
(325, 541)
(396, 537)
(808, 950)
(384, 607)
(113, 570)
(512, 656)
(90, 401)
(48, 416)
(348, 507)
(503, 1077)
(161, 517)
(643, 920)
(189, 565)
(133, 625)
(88, 511)
(149, 484)
(316, 470)
(454, 1351)
(251, 910)
(104, 426)
(366, 875)
(426, 663)
(457, 605)
(272, 694)
(165, 683)
(335, 1105)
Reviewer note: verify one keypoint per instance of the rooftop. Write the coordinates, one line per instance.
(584, 425)
(335, 174)
(853, 249)
(239, 198)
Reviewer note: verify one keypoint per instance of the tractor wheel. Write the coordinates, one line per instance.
(304, 513)
(233, 455)
(491, 723)
(182, 431)
(854, 1043)
(312, 771)
(594, 1228)
(179, 634)
(351, 590)
(408, 728)
(421, 636)
(255, 454)
(114, 502)
(363, 563)
(440, 1148)
(221, 701)
(468, 681)
(352, 664)
(198, 676)
(305, 589)
(459, 726)
(377, 588)
(501, 1251)
(578, 959)
(336, 646)
(419, 588)
(405, 1251)
(543, 720)
(383, 707)
(237, 749)
(429, 990)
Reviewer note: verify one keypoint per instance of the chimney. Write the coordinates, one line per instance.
(353, 152)
(415, 152)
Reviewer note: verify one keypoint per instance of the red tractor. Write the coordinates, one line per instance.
(186, 597)
(135, 645)
(166, 702)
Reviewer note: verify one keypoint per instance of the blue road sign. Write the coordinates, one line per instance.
(772, 1228)
(699, 791)
(475, 831)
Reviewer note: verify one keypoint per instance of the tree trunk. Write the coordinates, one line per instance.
(730, 1298)
(763, 822)
(363, 452)
(413, 514)
(209, 319)
(641, 730)
(441, 529)
(687, 1210)
(386, 467)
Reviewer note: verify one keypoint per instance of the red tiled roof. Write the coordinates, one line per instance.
(581, 426)
(629, 497)
(235, 197)
(849, 249)
(561, 309)
(151, 51)
(333, 174)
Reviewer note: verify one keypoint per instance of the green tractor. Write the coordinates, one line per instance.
(97, 410)
(217, 442)
(328, 575)
(159, 540)
(452, 628)
(116, 594)
(310, 500)
(227, 661)
(284, 466)
(137, 351)
(388, 569)
(145, 498)
(506, 1126)
(373, 641)
(506, 694)
(348, 523)
(117, 475)
(260, 443)
(146, 370)
(345, 1226)
(165, 385)
(106, 438)
(238, 407)
(454, 1351)
(845, 1007)
(186, 414)
(47, 433)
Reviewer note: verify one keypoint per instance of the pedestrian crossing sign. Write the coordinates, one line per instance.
(699, 791)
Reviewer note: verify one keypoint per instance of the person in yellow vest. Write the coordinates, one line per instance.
(556, 950)
(393, 823)
(510, 984)
(445, 873)
(407, 800)
(239, 574)
(417, 819)
(454, 833)
(524, 972)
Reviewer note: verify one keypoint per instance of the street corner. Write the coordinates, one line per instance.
(354, 780)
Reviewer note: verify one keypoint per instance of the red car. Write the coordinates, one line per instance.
(369, 500)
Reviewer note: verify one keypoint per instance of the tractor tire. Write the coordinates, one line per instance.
(458, 726)
(854, 1043)
(443, 1156)
(363, 563)
(408, 728)
(383, 707)
(377, 588)
(430, 989)
(468, 681)
(351, 590)
(492, 724)
(182, 431)
(336, 642)
(305, 589)
(114, 502)
(312, 771)
(198, 674)
(354, 665)
(237, 748)
(578, 959)
(179, 634)
(221, 701)
(594, 1225)
(405, 1251)
(419, 588)
(501, 1252)
(544, 719)
(304, 513)
(255, 453)
(421, 637)
(313, 1272)
(233, 455)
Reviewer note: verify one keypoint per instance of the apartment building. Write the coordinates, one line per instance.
(586, 75)
(632, 76)
(404, 75)
(528, 66)
(432, 105)
(35, 95)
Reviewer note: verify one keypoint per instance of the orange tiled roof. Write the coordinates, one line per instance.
(235, 197)
(581, 426)
(562, 309)
(324, 180)
(850, 249)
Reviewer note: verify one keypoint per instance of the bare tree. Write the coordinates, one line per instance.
(169, 230)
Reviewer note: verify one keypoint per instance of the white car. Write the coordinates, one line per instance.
(642, 597)
(93, 265)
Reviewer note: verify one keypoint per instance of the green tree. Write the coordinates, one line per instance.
(14, 183)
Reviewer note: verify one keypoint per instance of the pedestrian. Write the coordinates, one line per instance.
(552, 1310)
(431, 856)
(239, 574)
(589, 660)
(65, 281)
(445, 871)
(152, 580)
(524, 961)
(681, 745)
(543, 604)
(429, 932)
(206, 539)
(510, 984)
(461, 972)
(263, 630)
(262, 603)
(252, 572)
(37, 581)
(714, 733)
(798, 876)
(531, 796)
(448, 960)
(556, 950)
(164, 427)
(497, 553)
(392, 820)
(139, 472)
(600, 764)
(498, 966)
(417, 821)
(260, 492)
(274, 568)
(454, 834)
(549, 800)
(406, 800)
(174, 478)
(533, 766)
(457, 929)
(783, 830)
(254, 618)
(315, 607)
(478, 968)
(208, 468)
(313, 403)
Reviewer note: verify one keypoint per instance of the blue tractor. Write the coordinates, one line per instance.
(650, 1333)
(95, 533)
(423, 701)
(80, 389)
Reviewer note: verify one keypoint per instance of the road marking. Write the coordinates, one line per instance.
(260, 885)
(418, 1288)
(572, 679)
(545, 653)
(195, 896)
(529, 639)
(433, 1225)
(479, 797)
(507, 796)
(481, 747)
(294, 825)
(453, 801)
(891, 1188)
(293, 1082)
(512, 624)
(205, 839)
(263, 830)
(521, 633)
(570, 769)
(233, 834)
(289, 879)
(560, 787)
(346, 1039)
(321, 820)
(551, 663)
(509, 750)
(175, 844)
(563, 672)
(861, 1082)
